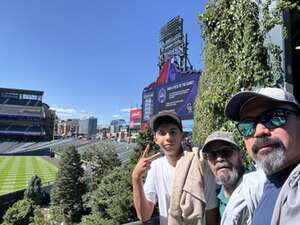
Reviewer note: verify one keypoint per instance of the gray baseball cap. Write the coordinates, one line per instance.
(157, 119)
(219, 136)
(239, 100)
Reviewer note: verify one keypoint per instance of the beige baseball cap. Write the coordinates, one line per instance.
(219, 136)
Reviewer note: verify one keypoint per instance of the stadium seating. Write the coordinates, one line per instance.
(15, 101)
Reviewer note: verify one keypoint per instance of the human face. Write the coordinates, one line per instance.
(169, 138)
(276, 148)
(225, 162)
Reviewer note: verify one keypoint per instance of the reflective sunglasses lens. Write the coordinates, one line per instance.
(274, 119)
(246, 128)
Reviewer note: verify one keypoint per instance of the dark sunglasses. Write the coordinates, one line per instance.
(270, 119)
(225, 153)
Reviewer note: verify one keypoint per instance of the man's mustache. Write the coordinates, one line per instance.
(265, 141)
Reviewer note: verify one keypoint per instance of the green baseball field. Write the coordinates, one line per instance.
(16, 171)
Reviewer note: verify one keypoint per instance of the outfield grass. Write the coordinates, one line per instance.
(16, 171)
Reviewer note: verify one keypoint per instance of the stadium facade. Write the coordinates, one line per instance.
(24, 116)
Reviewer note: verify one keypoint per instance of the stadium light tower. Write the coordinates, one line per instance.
(174, 45)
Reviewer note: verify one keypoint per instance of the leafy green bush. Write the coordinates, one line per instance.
(99, 160)
(20, 213)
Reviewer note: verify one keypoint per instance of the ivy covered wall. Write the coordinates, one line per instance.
(237, 56)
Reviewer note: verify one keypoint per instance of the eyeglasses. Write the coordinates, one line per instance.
(270, 119)
(225, 153)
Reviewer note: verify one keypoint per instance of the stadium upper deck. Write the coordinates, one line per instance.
(23, 116)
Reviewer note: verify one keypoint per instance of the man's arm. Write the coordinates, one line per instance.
(144, 208)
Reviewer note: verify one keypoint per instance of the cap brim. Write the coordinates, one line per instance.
(164, 114)
(235, 104)
(205, 148)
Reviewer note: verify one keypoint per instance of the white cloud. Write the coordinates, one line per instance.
(116, 116)
(64, 110)
(69, 113)
(125, 110)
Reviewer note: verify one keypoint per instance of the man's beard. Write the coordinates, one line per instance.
(272, 160)
(229, 177)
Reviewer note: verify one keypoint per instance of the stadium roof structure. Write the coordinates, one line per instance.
(21, 91)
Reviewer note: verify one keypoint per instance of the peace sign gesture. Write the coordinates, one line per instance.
(144, 163)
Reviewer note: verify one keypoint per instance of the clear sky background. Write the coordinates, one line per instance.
(92, 57)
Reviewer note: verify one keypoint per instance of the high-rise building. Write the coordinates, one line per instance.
(88, 127)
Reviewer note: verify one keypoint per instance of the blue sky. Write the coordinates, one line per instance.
(90, 57)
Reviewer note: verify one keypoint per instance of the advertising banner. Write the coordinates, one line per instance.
(135, 118)
(177, 96)
(173, 91)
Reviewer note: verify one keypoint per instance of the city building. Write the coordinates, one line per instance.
(117, 125)
(88, 127)
(68, 128)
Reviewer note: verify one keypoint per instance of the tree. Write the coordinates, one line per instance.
(237, 56)
(20, 213)
(34, 190)
(99, 159)
(68, 188)
(111, 202)
(39, 218)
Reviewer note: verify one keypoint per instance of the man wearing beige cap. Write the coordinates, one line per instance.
(225, 159)
(269, 122)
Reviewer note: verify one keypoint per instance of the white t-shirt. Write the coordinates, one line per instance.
(158, 187)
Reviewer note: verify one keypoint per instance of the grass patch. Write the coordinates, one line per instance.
(16, 171)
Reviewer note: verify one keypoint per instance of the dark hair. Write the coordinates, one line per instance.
(165, 120)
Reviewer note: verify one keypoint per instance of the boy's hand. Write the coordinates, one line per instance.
(144, 163)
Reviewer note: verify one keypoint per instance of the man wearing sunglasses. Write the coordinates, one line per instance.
(269, 121)
(226, 162)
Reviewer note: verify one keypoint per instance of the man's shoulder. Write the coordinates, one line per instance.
(257, 176)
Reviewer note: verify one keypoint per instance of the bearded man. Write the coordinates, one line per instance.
(225, 159)
(269, 121)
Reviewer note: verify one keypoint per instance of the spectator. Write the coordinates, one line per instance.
(225, 159)
(268, 119)
(168, 134)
